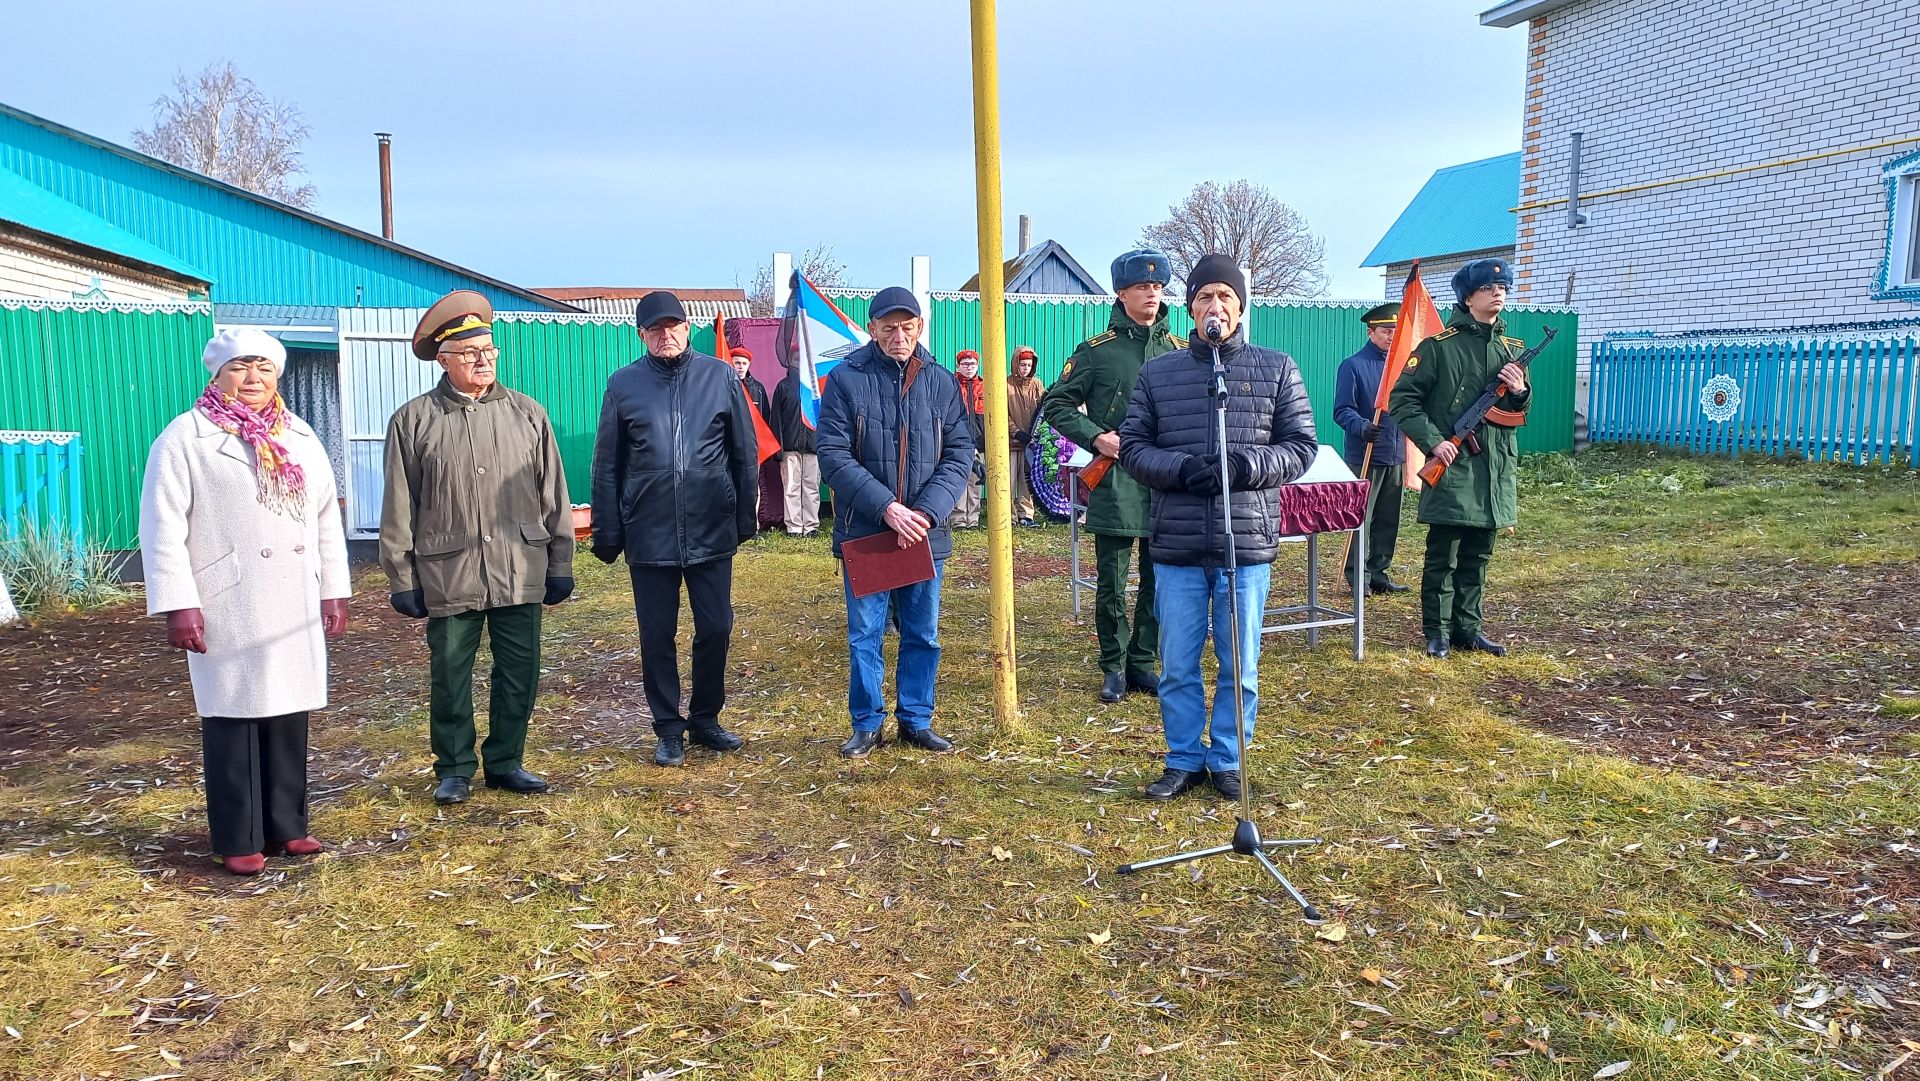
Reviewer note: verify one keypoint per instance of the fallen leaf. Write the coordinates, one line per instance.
(1333, 932)
(1614, 1069)
(1001, 853)
(1101, 938)
(1510, 960)
(1372, 975)
(779, 966)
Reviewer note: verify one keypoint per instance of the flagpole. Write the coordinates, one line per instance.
(993, 358)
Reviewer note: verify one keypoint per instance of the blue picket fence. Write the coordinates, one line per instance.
(1849, 400)
(40, 486)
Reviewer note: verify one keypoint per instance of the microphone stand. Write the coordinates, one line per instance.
(1246, 835)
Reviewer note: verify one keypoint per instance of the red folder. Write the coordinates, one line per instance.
(877, 563)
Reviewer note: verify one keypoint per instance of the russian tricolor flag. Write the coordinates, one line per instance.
(818, 336)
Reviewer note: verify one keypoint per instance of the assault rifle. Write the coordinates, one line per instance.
(1466, 430)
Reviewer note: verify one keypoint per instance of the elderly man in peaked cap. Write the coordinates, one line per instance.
(475, 535)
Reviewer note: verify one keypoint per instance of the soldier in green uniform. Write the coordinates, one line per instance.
(1087, 406)
(1480, 492)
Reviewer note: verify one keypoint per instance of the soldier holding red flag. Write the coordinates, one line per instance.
(1374, 449)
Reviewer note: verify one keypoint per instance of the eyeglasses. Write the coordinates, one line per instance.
(469, 357)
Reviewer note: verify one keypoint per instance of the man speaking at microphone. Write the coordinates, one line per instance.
(1169, 443)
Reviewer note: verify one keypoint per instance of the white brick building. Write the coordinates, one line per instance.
(1744, 166)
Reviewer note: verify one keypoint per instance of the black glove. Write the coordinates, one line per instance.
(1241, 464)
(1369, 432)
(558, 589)
(606, 553)
(412, 604)
(1199, 475)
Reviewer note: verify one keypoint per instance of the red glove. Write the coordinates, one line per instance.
(333, 616)
(187, 630)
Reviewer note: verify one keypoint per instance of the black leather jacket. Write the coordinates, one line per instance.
(676, 463)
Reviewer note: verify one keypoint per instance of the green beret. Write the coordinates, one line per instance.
(1382, 316)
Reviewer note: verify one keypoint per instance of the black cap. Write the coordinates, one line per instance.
(1212, 269)
(656, 306)
(894, 298)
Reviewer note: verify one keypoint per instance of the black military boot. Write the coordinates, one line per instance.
(452, 790)
(1115, 687)
(1144, 682)
(1479, 643)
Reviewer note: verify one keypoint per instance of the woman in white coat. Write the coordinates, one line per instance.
(245, 556)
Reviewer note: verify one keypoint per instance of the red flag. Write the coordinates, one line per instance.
(763, 432)
(1419, 320)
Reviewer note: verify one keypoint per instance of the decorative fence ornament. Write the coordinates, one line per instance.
(1720, 398)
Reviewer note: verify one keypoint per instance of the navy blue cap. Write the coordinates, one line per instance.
(1141, 265)
(893, 298)
(1479, 274)
(656, 306)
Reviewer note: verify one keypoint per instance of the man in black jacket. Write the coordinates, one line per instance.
(1169, 443)
(888, 399)
(799, 465)
(676, 471)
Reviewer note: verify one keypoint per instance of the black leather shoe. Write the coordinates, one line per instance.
(1387, 585)
(1437, 648)
(1227, 781)
(715, 738)
(670, 751)
(1144, 682)
(926, 739)
(518, 781)
(1115, 687)
(1174, 782)
(452, 790)
(861, 745)
(1480, 643)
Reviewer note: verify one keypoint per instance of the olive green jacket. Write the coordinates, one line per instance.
(1444, 376)
(476, 512)
(1099, 375)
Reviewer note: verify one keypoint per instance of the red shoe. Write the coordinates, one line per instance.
(244, 865)
(301, 846)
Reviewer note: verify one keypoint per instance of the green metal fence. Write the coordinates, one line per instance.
(1317, 334)
(115, 373)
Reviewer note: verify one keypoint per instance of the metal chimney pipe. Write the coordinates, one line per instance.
(386, 183)
(1026, 233)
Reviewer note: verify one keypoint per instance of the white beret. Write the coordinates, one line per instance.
(243, 342)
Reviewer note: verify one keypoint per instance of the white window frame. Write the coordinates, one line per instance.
(1900, 271)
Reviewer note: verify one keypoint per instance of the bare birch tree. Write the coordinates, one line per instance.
(817, 263)
(219, 124)
(1245, 222)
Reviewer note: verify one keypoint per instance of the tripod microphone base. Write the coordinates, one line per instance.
(1246, 842)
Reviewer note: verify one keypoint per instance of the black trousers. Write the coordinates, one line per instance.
(256, 771)
(656, 607)
(1383, 531)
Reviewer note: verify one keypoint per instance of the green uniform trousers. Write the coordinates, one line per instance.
(514, 633)
(1453, 581)
(1383, 529)
(1121, 651)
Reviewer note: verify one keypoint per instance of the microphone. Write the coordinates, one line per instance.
(1213, 329)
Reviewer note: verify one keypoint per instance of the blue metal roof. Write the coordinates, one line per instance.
(36, 208)
(1461, 208)
(257, 250)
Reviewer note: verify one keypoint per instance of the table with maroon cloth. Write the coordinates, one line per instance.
(1309, 508)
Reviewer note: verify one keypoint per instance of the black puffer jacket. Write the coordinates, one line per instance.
(1171, 419)
(861, 417)
(676, 463)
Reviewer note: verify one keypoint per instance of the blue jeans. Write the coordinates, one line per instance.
(1187, 599)
(918, 609)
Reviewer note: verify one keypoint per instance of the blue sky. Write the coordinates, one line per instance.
(678, 144)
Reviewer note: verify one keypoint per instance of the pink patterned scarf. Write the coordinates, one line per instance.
(283, 484)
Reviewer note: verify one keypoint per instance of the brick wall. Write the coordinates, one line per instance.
(1667, 89)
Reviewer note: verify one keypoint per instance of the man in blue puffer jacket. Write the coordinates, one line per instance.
(1169, 443)
(889, 395)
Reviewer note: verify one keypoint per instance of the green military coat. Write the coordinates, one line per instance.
(1444, 376)
(1100, 376)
